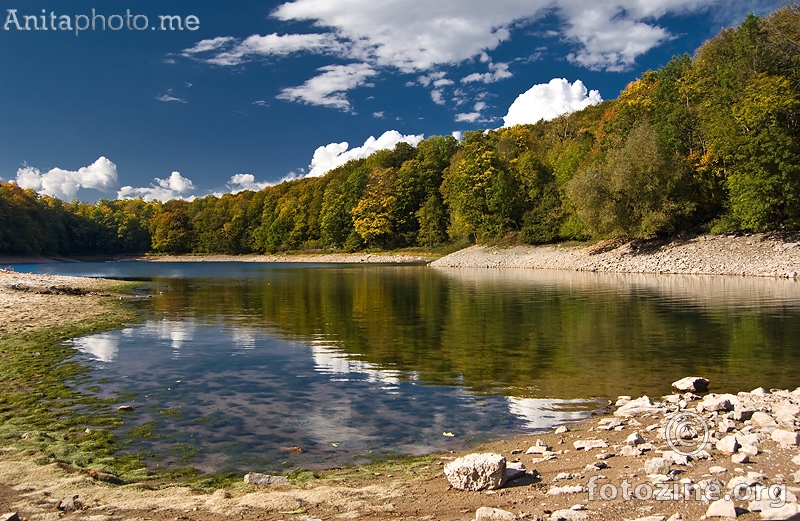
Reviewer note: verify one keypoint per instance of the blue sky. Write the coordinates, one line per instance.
(253, 92)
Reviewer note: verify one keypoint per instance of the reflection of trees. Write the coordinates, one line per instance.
(573, 335)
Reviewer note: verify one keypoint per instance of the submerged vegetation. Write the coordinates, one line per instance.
(42, 410)
(710, 140)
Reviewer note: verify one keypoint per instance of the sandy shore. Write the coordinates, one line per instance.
(29, 301)
(759, 255)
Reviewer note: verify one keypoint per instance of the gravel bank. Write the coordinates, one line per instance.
(757, 255)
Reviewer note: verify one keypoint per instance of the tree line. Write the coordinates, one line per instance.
(707, 140)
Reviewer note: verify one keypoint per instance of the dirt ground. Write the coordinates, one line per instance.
(411, 491)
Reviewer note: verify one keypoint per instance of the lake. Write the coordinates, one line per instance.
(235, 366)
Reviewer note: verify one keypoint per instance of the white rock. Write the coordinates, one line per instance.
(538, 449)
(761, 419)
(657, 466)
(788, 512)
(717, 402)
(770, 498)
(796, 460)
(569, 515)
(676, 517)
(759, 391)
(717, 470)
(741, 415)
(729, 444)
(638, 407)
(566, 489)
(634, 439)
(494, 514)
(726, 426)
(694, 384)
(562, 430)
(786, 438)
(630, 452)
(588, 445)
(477, 472)
(622, 400)
(721, 508)
(752, 479)
(740, 458)
(651, 518)
(675, 458)
(750, 450)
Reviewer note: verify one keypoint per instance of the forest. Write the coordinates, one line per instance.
(708, 141)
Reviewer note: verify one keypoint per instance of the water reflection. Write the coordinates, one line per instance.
(103, 347)
(240, 396)
(388, 358)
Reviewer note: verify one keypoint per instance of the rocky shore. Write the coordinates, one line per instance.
(760, 255)
(689, 455)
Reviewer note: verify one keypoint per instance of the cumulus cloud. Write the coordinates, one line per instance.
(329, 88)
(64, 184)
(328, 157)
(550, 100)
(175, 187)
(241, 182)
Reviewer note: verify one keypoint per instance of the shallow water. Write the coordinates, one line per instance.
(237, 362)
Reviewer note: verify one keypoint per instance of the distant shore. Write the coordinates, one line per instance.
(756, 255)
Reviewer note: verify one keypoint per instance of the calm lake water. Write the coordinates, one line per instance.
(234, 363)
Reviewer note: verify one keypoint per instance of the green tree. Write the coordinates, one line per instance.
(635, 192)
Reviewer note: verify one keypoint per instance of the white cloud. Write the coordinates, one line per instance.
(550, 100)
(168, 97)
(64, 184)
(418, 36)
(208, 45)
(437, 96)
(497, 72)
(468, 117)
(472, 117)
(229, 51)
(328, 89)
(415, 35)
(328, 157)
(175, 187)
(241, 182)
(378, 115)
(261, 103)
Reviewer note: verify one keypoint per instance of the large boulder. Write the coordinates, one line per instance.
(691, 384)
(477, 472)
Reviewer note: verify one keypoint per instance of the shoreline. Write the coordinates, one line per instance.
(416, 489)
(775, 255)
(754, 255)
